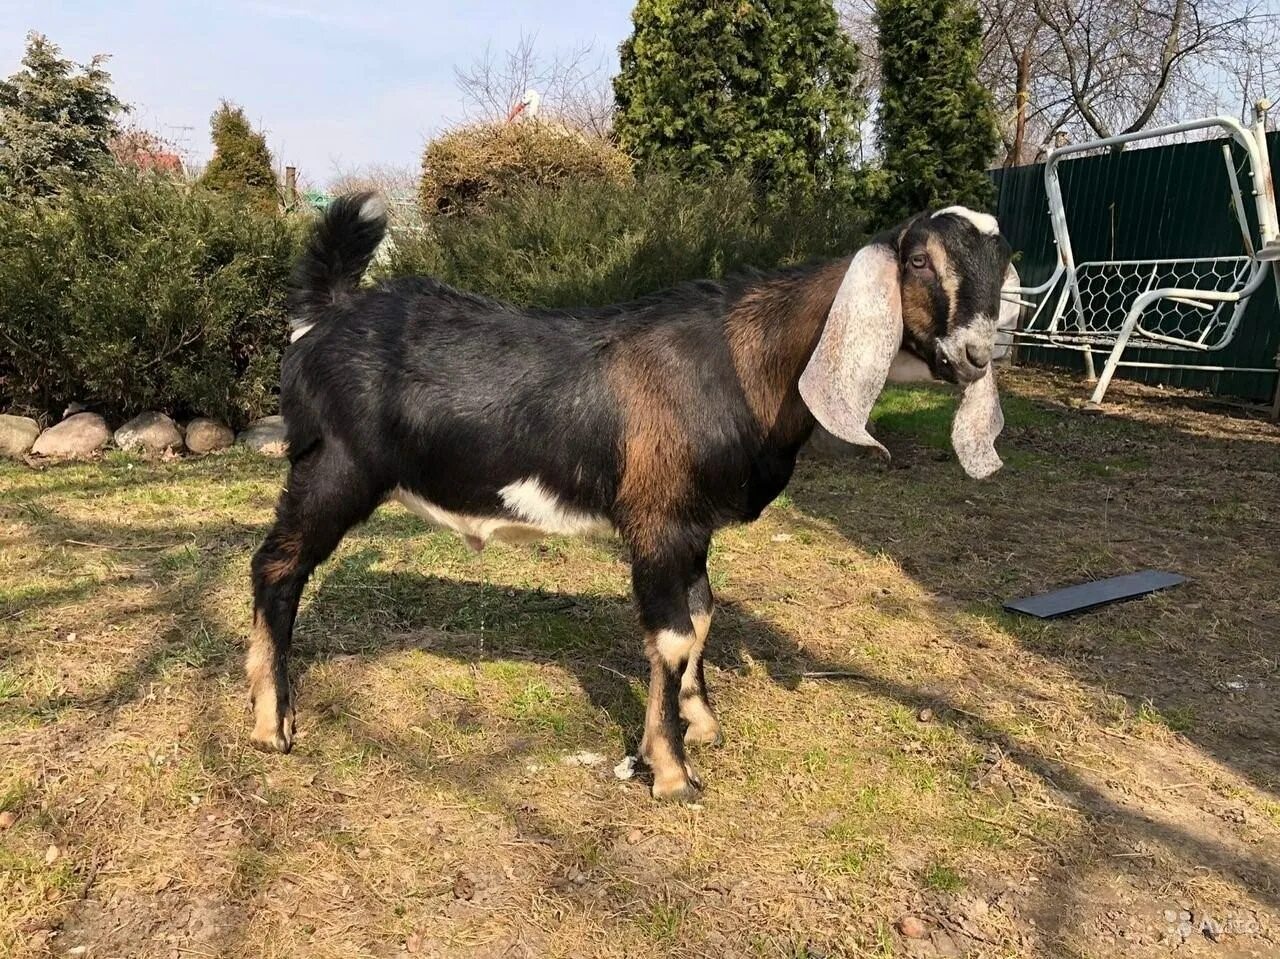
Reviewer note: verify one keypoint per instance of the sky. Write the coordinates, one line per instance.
(335, 85)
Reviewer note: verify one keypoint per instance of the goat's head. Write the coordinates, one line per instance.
(951, 266)
(919, 301)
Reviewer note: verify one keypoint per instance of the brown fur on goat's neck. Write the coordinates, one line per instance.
(772, 328)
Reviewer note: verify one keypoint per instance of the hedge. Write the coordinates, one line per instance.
(142, 293)
(605, 242)
(464, 169)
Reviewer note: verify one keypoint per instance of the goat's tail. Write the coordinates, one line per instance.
(342, 243)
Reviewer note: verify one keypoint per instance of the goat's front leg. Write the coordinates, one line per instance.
(661, 588)
(695, 705)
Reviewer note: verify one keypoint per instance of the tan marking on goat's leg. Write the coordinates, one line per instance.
(660, 747)
(674, 648)
(273, 721)
(695, 709)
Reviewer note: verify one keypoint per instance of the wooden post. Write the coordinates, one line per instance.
(290, 187)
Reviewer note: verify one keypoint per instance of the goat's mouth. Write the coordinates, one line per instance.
(965, 355)
(955, 366)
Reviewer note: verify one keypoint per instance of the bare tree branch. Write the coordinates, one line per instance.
(1089, 68)
(573, 84)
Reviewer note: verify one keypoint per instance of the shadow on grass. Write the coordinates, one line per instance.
(1084, 497)
(972, 542)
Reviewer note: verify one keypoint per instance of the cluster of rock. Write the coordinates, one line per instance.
(83, 434)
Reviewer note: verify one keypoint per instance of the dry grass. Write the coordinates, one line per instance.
(1073, 781)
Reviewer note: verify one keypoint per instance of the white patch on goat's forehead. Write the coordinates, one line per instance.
(985, 222)
(300, 332)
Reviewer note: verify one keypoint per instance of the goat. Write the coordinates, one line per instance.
(663, 419)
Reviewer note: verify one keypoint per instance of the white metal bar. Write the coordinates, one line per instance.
(1187, 301)
(1264, 185)
(1147, 364)
(1236, 199)
(1172, 261)
(1135, 311)
(1254, 143)
(1042, 288)
(1239, 297)
(1017, 301)
(1202, 369)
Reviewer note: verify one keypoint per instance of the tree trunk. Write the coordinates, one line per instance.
(1021, 94)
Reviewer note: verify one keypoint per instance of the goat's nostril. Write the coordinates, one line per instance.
(978, 354)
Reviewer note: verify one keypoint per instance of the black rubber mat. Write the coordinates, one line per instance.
(1076, 599)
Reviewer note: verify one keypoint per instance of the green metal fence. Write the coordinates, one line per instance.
(1169, 201)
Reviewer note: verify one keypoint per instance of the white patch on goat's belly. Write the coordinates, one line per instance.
(536, 512)
(985, 222)
(537, 506)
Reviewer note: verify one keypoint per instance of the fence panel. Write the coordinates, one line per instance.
(1167, 201)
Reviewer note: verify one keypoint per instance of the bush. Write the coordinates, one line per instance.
(147, 293)
(56, 117)
(241, 161)
(605, 242)
(143, 293)
(464, 169)
(771, 90)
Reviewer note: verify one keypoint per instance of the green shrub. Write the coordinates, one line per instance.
(936, 124)
(57, 118)
(464, 169)
(771, 90)
(605, 242)
(146, 293)
(143, 293)
(241, 161)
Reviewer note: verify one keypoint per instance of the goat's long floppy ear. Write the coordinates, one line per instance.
(862, 334)
(978, 421)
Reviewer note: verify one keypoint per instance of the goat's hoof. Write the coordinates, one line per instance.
(707, 736)
(678, 786)
(679, 790)
(274, 736)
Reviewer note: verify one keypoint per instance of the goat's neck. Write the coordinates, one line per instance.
(772, 327)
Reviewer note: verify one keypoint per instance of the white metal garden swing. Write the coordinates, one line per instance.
(1190, 304)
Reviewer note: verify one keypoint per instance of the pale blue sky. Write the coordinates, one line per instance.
(335, 83)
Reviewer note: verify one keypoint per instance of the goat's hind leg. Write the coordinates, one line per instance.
(325, 496)
(695, 705)
(661, 589)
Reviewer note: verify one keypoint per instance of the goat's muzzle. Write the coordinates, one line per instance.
(964, 355)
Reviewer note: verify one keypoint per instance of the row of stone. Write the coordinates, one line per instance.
(84, 434)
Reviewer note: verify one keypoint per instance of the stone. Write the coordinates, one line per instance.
(208, 436)
(149, 433)
(265, 436)
(17, 433)
(912, 928)
(80, 434)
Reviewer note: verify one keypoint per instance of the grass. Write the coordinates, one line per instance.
(895, 743)
(942, 878)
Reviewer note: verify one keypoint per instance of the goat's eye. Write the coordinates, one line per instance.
(918, 261)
